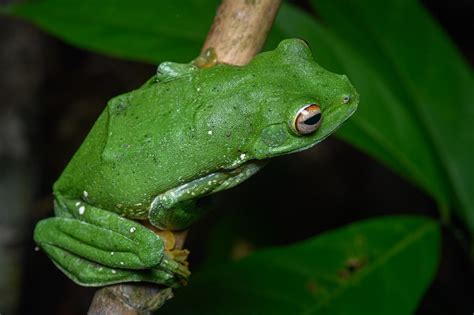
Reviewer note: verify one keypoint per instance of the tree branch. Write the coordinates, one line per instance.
(238, 33)
(240, 29)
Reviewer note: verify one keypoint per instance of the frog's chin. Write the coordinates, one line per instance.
(284, 149)
(278, 139)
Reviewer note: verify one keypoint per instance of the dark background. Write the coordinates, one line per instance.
(51, 94)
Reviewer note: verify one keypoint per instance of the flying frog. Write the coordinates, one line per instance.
(188, 132)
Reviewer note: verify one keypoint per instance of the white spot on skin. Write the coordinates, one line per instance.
(37, 249)
(242, 156)
(198, 89)
(78, 204)
(122, 263)
(113, 271)
(82, 209)
(209, 132)
(133, 229)
(85, 194)
(112, 253)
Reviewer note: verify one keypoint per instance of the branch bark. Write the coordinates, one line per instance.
(240, 29)
(237, 34)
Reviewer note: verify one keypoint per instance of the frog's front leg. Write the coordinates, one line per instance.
(176, 208)
(95, 247)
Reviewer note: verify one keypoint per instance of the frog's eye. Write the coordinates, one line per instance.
(308, 119)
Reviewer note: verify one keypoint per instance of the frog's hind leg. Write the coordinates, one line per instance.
(95, 247)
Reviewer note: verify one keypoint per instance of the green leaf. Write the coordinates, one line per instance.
(417, 93)
(145, 30)
(378, 266)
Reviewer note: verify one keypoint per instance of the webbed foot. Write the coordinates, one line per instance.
(95, 247)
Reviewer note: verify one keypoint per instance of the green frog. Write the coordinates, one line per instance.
(188, 132)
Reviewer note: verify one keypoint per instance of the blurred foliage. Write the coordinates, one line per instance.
(357, 269)
(417, 96)
(144, 30)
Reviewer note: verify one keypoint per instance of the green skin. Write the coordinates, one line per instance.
(185, 134)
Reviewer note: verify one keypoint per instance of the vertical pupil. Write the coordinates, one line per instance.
(313, 120)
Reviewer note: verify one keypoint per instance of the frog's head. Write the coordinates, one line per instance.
(300, 102)
(281, 102)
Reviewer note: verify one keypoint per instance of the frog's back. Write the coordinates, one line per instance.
(123, 156)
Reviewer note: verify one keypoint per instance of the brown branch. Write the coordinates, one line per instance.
(240, 29)
(238, 33)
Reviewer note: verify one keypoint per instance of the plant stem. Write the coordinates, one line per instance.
(240, 29)
(238, 33)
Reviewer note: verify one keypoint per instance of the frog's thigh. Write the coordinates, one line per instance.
(99, 236)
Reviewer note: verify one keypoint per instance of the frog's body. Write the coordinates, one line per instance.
(155, 138)
(186, 133)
